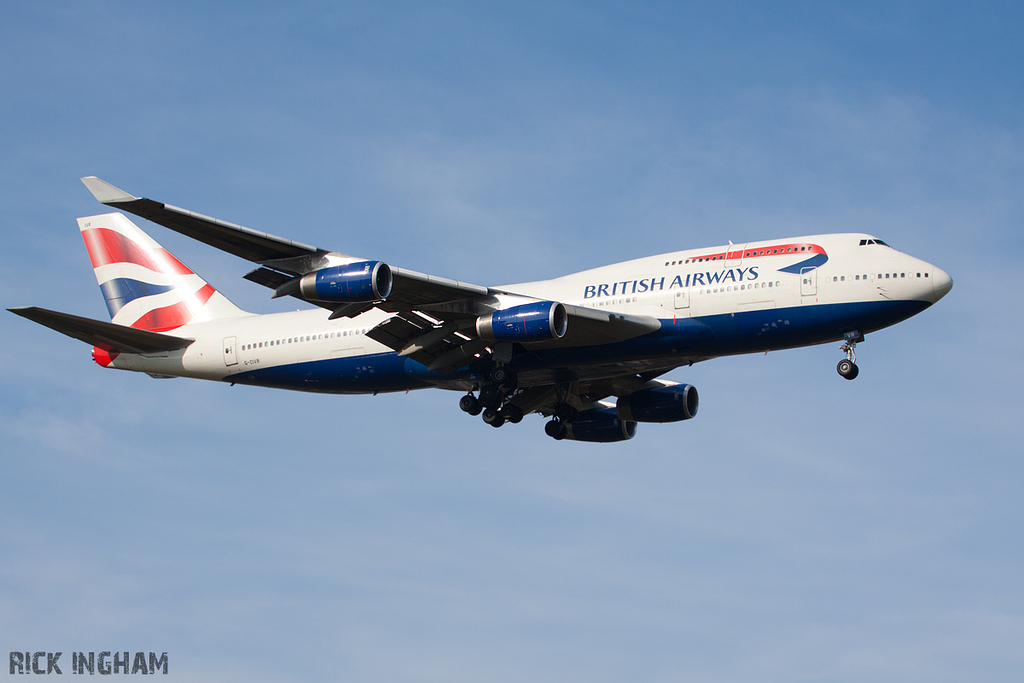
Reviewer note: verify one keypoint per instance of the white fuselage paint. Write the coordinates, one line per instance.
(663, 287)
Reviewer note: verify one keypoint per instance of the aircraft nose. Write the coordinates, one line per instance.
(941, 283)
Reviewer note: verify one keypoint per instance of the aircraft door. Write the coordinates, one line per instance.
(682, 298)
(229, 352)
(808, 281)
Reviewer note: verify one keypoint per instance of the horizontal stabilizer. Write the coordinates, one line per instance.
(100, 333)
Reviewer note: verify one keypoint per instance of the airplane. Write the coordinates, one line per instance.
(585, 350)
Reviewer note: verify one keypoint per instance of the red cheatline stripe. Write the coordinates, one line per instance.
(774, 250)
(109, 246)
(175, 315)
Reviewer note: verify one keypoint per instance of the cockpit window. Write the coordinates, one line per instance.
(863, 242)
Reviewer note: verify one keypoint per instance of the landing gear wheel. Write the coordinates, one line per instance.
(490, 397)
(565, 412)
(513, 413)
(493, 417)
(504, 379)
(469, 404)
(847, 368)
(555, 429)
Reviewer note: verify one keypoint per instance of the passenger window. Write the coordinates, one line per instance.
(842, 279)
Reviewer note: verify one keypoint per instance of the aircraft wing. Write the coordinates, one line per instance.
(433, 315)
(282, 259)
(234, 239)
(103, 334)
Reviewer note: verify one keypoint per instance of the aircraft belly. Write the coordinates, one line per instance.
(364, 374)
(777, 328)
(687, 340)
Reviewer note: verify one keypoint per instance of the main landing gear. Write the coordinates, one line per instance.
(847, 367)
(493, 402)
(556, 427)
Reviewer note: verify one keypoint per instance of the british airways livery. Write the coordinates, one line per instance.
(585, 350)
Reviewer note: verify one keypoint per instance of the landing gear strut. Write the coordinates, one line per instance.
(847, 368)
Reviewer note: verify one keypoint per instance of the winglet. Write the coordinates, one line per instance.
(105, 192)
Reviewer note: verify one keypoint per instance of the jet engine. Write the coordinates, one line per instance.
(600, 425)
(536, 322)
(358, 282)
(660, 404)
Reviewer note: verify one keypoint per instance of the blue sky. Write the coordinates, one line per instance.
(803, 528)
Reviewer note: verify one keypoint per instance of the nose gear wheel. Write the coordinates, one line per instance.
(847, 368)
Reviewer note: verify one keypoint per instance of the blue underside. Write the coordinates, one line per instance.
(682, 339)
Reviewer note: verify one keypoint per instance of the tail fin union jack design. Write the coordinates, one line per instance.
(143, 284)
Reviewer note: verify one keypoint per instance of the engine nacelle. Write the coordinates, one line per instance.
(350, 283)
(600, 425)
(660, 404)
(536, 322)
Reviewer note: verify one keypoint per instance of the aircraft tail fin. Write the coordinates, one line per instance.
(144, 286)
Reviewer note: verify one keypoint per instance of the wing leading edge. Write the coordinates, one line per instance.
(281, 259)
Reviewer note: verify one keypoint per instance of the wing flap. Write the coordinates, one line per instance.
(425, 342)
(99, 333)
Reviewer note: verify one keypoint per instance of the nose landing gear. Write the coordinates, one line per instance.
(847, 368)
